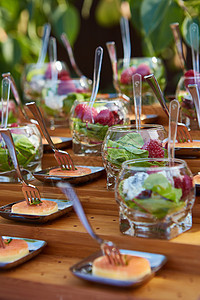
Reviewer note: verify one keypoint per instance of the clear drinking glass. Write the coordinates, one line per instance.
(155, 198)
(144, 66)
(123, 143)
(88, 131)
(28, 144)
(187, 107)
(35, 76)
(58, 98)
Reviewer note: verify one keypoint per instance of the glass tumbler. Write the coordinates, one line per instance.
(187, 107)
(123, 143)
(144, 66)
(29, 148)
(89, 125)
(155, 198)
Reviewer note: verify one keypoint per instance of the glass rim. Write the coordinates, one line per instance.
(22, 126)
(141, 58)
(180, 164)
(133, 127)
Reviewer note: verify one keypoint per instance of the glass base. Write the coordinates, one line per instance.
(85, 149)
(163, 229)
(12, 176)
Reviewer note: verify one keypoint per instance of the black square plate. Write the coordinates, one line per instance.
(35, 247)
(189, 152)
(44, 176)
(83, 269)
(64, 206)
(60, 143)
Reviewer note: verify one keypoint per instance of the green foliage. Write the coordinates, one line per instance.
(21, 29)
(108, 12)
(152, 19)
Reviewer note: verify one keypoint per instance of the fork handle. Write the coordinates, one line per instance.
(113, 58)
(16, 94)
(173, 119)
(68, 47)
(153, 83)
(68, 190)
(38, 116)
(179, 46)
(6, 135)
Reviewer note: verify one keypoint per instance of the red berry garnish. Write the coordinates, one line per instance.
(89, 114)
(105, 117)
(117, 118)
(143, 70)
(63, 75)
(126, 76)
(155, 149)
(185, 183)
(79, 110)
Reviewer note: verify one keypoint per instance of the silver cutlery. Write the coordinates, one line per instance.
(108, 247)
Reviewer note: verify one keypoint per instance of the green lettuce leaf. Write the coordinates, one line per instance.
(126, 148)
(25, 153)
(158, 183)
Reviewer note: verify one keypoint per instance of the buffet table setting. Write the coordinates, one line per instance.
(99, 193)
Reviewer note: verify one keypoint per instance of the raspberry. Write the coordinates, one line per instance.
(84, 112)
(89, 114)
(63, 75)
(105, 117)
(143, 70)
(117, 118)
(185, 183)
(189, 78)
(79, 110)
(155, 149)
(126, 76)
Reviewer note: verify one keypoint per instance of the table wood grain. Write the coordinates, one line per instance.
(47, 276)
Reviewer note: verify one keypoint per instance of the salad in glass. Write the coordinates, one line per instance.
(155, 197)
(28, 144)
(124, 143)
(89, 125)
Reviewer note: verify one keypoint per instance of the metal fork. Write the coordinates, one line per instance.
(109, 248)
(16, 95)
(31, 193)
(183, 134)
(63, 158)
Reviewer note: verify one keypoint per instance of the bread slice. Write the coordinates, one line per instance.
(47, 207)
(13, 250)
(135, 268)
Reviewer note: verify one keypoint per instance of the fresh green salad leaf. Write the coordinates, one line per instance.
(25, 153)
(126, 148)
(96, 131)
(158, 183)
(164, 200)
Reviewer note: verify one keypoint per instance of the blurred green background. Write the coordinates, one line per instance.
(90, 23)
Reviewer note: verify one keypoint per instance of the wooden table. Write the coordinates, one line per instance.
(47, 276)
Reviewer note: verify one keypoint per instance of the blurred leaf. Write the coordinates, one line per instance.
(66, 19)
(186, 26)
(162, 35)
(135, 13)
(11, 51)
(108, 12)
(152, 13)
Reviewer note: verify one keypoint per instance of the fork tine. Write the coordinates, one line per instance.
(183, 135)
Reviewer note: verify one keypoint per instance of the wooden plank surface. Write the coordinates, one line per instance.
(47, 276)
